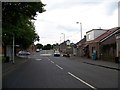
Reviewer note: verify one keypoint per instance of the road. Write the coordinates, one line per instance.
(43, 70)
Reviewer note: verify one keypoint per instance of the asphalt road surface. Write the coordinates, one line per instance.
(43, 70)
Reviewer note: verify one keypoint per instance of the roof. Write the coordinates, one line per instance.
(96, 29)
(81, 41)
(105, 35)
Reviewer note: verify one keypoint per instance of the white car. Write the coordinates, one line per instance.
(57, 53)
(23, 52)
(37, 50)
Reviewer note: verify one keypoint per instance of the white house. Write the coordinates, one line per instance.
(94, 33)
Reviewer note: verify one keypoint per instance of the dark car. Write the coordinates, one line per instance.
(57, 53)
(66, 55)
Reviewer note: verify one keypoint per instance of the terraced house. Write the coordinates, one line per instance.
(118, 43)
(104, 45)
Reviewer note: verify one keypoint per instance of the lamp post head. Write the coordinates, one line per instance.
(77, 22)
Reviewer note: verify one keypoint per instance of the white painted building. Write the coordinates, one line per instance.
(94, 33)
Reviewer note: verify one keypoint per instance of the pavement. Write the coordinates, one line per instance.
(100, 63)
(8, 67)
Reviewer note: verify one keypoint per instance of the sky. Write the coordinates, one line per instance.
(61, 16)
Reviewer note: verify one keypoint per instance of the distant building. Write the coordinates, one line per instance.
(79, 48)
(56, 47)
(64, 48)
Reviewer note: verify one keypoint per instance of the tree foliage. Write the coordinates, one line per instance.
(39, 46)
(16, 21)
(47, 47)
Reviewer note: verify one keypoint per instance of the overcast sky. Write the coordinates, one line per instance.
(61, 17)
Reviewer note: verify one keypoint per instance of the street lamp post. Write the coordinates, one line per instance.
(13, 49)
(64, 36)
(80, 27)
(60, 45)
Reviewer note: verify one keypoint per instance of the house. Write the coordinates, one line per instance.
(104, 46)
(75, 49)
(118, 43)
(90, 36)
(94, 33)
(79, 48)
(66, 47)
(63, 47)
(56, 47)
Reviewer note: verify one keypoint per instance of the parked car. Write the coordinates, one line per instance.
(23, 52)
(40, 49)
(37, 50)
(66, 55)
(57, 53)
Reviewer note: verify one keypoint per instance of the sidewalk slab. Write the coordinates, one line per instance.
(9, 66)
(101, 63)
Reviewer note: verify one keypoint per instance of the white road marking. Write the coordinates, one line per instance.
(45, 54)
(38, 59)
(59, 66)
(51, 61)
(48, 58)
(82, 81)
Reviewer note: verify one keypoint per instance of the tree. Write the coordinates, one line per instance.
(47, 47)
(16, 21)
(39, 46)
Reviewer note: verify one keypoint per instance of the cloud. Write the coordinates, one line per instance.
(110, 7)
(67, 28)
(63, 4)
(61, 17)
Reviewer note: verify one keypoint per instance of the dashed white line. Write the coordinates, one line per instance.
(38, 59)
(81, 80)
(59, 66)
(51, 61)
(48, 58)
